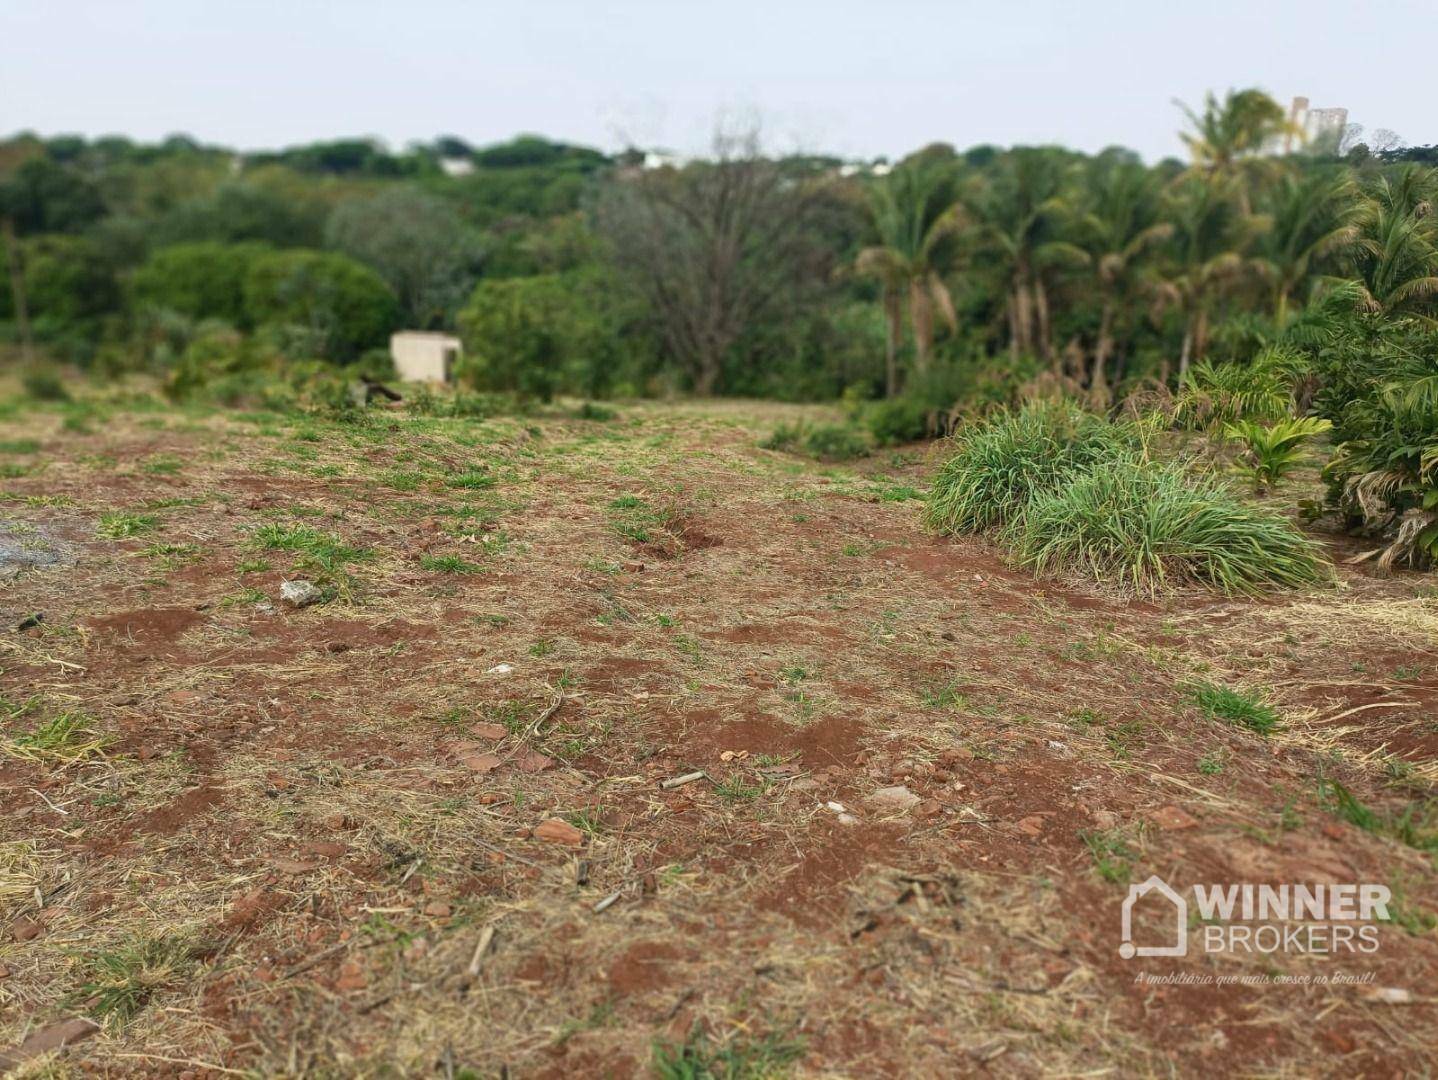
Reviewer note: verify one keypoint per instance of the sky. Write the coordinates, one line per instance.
(857, 79)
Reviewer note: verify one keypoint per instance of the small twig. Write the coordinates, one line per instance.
(317, 959)
(679, 781)
(476, 961)
(48, 803)
(550, 710)
(683, 1000)
(1364, 708)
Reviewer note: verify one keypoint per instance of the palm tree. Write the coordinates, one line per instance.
(1022, 215)
(1211, 234)
(1120, 224)
(1313, 216)
(1229, 137)
(917, 219)
(1397, 258)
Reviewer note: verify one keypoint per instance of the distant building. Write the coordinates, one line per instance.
(453, 166)
(423, 356)
(1322, 128)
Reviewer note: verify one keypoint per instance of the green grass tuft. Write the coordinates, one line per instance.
(121, 981)
(1001, 462)
(1144, 525)
(121, 526)
(1239, 707)
(699, 1057)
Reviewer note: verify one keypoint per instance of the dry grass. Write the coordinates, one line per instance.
(331, 813)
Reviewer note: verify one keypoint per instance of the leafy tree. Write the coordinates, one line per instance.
(240, 210)
(202, 281)
(343, 306)
(40, 196)
(69, 286)
(417, 243)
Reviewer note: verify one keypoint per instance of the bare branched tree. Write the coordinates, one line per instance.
(715, 247)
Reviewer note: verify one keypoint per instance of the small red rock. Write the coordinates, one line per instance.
(1172, 817)
(291, 866)
(26, 929)
(351, 977)
(1032, 825)
(559, 831)
(438, 909)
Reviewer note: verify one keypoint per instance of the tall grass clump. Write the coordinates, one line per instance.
(1143, 525)
(1003, 461)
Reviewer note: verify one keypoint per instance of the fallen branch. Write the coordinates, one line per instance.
(679, 781)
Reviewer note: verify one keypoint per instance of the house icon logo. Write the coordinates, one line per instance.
(1128, 950)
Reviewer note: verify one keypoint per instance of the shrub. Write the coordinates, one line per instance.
(201, 280)
(591, 410)
(1223, 393)
(897, 420)
(546, 334)
(343, 306)
(785, 437)
(1143, 525)
(828, 442)
(1271, 453)
(1380, 389)
(835, 442)
(43, 383)
(1002, 461)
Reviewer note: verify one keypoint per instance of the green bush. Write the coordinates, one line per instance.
(543, 335)
(835, 442)
(202, 280)
(43, 383)
(1144, 525)
(1380, 390)
(828, 442)
(1215, 394)
(341, 306)
(1002, 461)
(897, 420)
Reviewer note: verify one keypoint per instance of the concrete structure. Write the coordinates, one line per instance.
(423, 356)
(1322, 128)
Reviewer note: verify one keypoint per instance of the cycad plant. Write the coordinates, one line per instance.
(1272, 451)
(1216, 394)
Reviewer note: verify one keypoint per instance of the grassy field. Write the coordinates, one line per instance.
(422, 827)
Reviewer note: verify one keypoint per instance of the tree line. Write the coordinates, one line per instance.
(950, 274)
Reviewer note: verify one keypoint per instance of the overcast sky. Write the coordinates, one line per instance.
(877, 77)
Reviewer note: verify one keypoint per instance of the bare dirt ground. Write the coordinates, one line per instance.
(420, 828)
